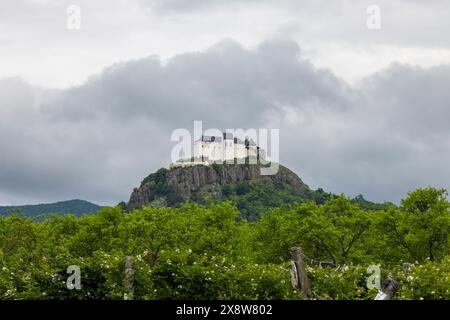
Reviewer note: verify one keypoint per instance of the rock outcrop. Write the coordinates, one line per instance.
(177, 185)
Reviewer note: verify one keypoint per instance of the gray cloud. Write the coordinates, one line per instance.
(98, 140)
(226, 85)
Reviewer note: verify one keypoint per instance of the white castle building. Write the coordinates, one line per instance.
(220, 149)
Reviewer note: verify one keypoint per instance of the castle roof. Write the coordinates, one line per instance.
(227, 136)
(210, 139)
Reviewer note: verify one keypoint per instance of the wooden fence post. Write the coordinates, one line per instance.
(390, 286)
(129, 278)
(299, 273)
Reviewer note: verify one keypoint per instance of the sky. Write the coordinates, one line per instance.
(88, 113)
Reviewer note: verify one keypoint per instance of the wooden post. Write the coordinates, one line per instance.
(129, 278)
(390, 286)
(294, 276)
(299, 268)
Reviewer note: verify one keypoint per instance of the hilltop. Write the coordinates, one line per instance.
(242, 183)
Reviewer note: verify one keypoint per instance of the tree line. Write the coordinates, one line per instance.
(209, 252)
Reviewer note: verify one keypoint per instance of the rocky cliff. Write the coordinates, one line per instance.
(177, 185)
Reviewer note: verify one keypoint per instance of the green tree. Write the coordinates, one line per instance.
(421, 225)
(336, 231)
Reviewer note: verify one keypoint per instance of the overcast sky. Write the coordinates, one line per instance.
(88, 113)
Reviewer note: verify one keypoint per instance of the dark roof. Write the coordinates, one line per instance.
(227, 136)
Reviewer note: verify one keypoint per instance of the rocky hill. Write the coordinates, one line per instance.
(243, 183)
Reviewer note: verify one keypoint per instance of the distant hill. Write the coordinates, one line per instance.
(320, 197)
(75, 207)
(242, 184)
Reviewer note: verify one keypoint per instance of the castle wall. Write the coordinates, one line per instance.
(222, 150)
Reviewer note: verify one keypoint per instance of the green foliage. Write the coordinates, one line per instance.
(198, 252)
(343, 283)
(320, 196)
(369, 205)
(253, 199)
(420, 228)
(428, 281)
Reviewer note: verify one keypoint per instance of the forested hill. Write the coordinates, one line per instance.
(252, 192)
(76, 207)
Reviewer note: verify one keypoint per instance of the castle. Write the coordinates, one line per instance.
(219, 149)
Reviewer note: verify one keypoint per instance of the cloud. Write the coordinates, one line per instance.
(226, 85)
(98, 140)
(333, 34)
(183, 6)
(406, 22)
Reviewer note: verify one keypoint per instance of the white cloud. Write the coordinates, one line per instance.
(42, 50)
